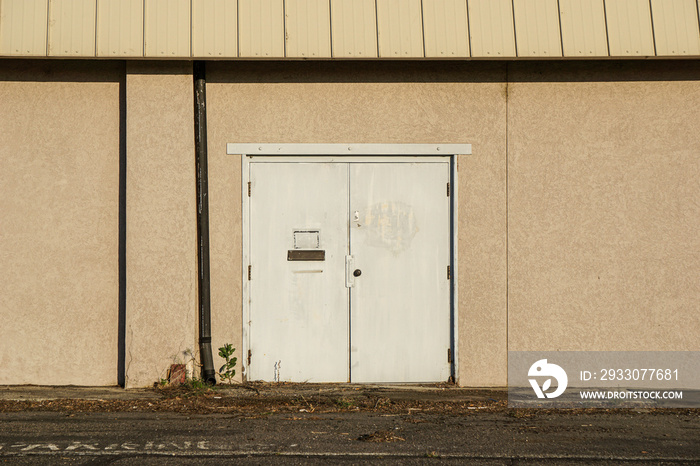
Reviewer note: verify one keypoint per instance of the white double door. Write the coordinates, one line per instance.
(348, 277)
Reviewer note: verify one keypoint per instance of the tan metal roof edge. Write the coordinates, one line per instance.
(296, 29)
(357, 59)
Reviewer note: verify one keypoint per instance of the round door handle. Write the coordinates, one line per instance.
(357, 272)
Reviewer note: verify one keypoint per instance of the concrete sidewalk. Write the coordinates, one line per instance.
(48, 393)
(262, 397)
(404, 392)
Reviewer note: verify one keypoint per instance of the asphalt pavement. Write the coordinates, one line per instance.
(484, 431)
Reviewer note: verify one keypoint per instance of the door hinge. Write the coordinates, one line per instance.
(449, 355)
(249, 189)
(449, 273)
(250, 268)
(448, 189)
(250, 355)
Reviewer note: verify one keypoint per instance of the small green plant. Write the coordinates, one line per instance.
(344, 403)
(227, 371)
(191, 387)
(196, 385)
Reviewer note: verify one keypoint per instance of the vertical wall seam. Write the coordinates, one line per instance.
(653, 33)
(607, 29)
(422, 26)
(469, 31)
(697, 9)
(515, 29)
(143, 28)
(97, 6)
(330, 28)
(121, 254)
(376, 25)
(561, 32)
(48, 22)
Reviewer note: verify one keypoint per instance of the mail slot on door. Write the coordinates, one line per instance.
(306, 255)
(307, 245)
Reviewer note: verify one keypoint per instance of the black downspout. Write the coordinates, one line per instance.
(200, 155)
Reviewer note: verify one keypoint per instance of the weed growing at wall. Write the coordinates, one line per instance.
(227, 371)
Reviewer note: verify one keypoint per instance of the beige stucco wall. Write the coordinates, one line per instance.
(59, 153)
(599, 161)
(604, 206)
(161, 222)
(364, 103)
(578, 210)
(225, 228)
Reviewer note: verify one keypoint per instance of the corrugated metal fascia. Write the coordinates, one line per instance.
(491, 28)
(119, 28)
(400, 28)
(72, 28)
(537, 28)
(23, 27)
(629, 28)
(167, 28)
(676, 29)
(228, 29)
(354, 28)
(261, 28)
(214, 28)
(445, 29)
(308, 28)
(583, 28)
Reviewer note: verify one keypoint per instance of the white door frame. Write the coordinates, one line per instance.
(272, 153)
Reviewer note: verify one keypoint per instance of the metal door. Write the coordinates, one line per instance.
(315, 320)
(399, 242)
(298, 308)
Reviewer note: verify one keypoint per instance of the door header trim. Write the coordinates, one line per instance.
(348, 149)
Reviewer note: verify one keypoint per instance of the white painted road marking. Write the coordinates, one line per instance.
(203, 448)
(90, 446)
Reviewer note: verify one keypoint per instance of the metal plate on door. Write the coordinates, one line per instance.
(307, 239)
(306, 255)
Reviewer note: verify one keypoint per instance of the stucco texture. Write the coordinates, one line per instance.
(59, 147)
(364, 102)
(604, 206)
(161, 222)
(578, 210)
